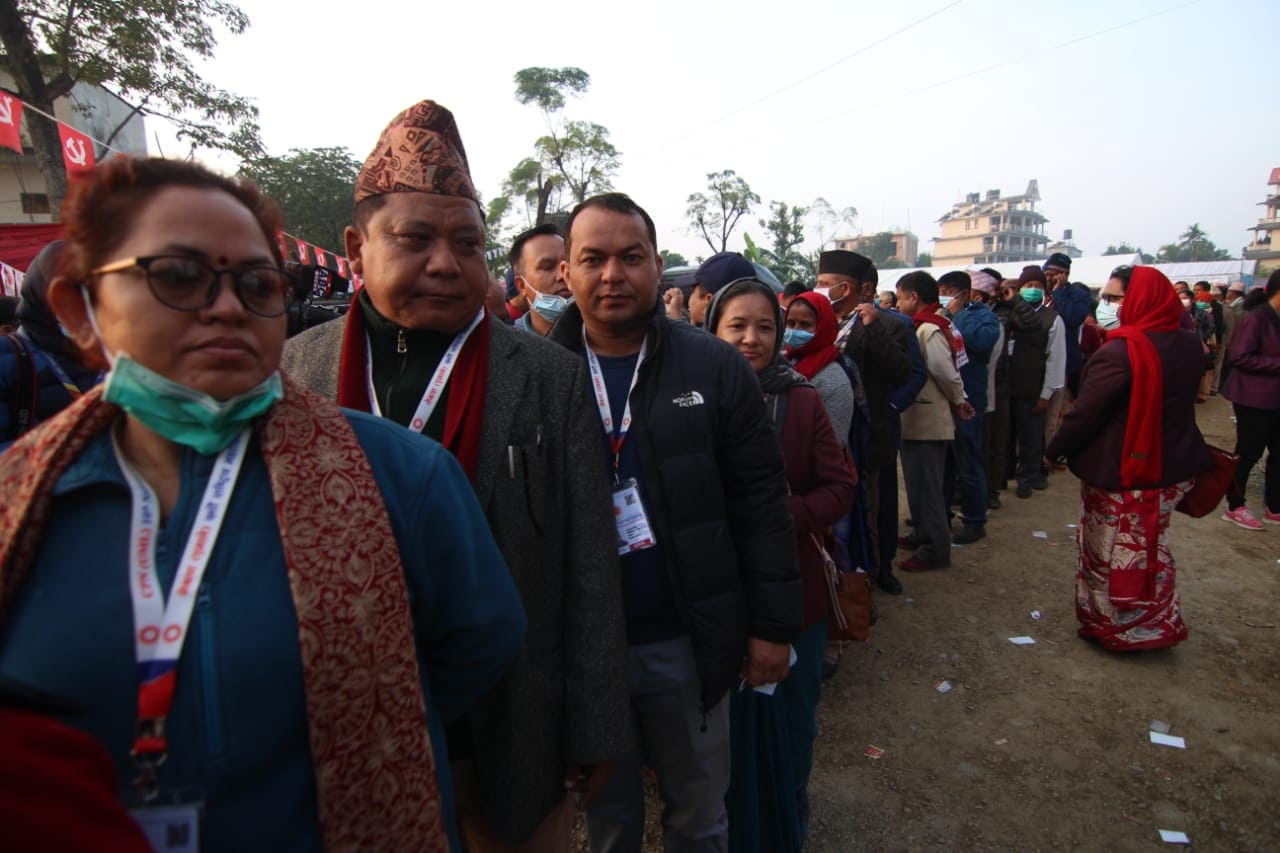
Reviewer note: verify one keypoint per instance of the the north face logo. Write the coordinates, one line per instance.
(688, 400)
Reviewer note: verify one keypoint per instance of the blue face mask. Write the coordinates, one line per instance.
(549, 306)
(172, 410)
(796, 338)
(1033, 295)
(1108, 315)
(944, 300)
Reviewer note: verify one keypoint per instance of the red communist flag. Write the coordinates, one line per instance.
(342, 265)
(303, 256)
(10, 120)
(320, 259)
(77, 151)
(282, 245)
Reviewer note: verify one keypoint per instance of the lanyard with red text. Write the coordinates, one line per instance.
(160, 629)
(619, 435)
(430, 397)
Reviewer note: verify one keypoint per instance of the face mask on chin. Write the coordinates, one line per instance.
(180, 414)
(549, 306)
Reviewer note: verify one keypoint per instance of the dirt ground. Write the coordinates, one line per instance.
(1046, 747)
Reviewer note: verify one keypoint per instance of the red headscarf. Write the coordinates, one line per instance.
(1150, 305)
(820, 351)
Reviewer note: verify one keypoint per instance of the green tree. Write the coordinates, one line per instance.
(1193, 245)
(881, 249)
(785, 227)
(829, 222)
(314, 188)
(572, 161)
(673, 259)
(924, 259)
(142, 51)
(1125, 249)
(714, 214)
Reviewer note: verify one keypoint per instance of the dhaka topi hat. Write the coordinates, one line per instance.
(419, 151)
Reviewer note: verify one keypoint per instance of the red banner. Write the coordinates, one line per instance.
(320, 259)
(303, 256)
(282, 245)
(10, 120)
(77, 151)
(342, 266)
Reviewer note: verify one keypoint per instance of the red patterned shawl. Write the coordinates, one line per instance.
(375, 772)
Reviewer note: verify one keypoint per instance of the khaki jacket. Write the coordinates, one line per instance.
(929, 417)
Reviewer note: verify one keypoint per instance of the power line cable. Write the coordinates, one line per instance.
(803, 79)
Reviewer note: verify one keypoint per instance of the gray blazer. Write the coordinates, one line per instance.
(540, 478)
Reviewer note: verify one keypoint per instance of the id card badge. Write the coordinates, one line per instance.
(634, 531)
(171, 827)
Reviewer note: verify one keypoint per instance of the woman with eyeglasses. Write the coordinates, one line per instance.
(772, 736)
(267, 606)
(1132, 440)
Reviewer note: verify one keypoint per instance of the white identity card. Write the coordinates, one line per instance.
(634, 531)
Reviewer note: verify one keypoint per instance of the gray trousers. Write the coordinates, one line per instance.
(923, 463)
(689, 753)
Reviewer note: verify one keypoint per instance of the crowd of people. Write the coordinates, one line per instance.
(442, 572)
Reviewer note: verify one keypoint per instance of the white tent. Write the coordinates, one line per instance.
(1093, 271)
(1214, 272)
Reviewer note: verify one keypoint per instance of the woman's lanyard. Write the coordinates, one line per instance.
(160, 629)
(619, 435)
(430, 397)
(72, 388)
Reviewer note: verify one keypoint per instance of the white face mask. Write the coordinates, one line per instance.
(1108, 315)
(824, 292)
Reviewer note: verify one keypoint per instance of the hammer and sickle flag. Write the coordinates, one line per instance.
(77, 151)
(10, 119)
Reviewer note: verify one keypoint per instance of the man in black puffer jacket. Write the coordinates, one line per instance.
(710, 584)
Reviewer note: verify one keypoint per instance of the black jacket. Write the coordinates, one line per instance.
(716, 494)
(1030, 355)
(881, 351)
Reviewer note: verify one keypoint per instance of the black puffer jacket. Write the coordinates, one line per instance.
(717, 494)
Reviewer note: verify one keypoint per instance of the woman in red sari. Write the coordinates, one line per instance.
(1132, 440)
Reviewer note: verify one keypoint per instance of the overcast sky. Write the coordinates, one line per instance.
(1137, 117)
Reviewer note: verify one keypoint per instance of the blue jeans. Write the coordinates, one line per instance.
(688, 750)
(967, 471)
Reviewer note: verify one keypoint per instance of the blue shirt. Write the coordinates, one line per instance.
(238, 729)
(647, 597)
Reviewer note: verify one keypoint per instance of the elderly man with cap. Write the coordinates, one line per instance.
(881, 343)
(418, 348)
(714, 273)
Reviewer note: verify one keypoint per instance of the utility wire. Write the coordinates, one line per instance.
(803, 79)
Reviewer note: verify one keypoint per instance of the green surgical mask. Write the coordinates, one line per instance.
(183, 415)
(1203, 306)
(1033, 295)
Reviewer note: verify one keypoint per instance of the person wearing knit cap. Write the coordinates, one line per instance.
(1074, 303)
(1049, 361)
(418, 348)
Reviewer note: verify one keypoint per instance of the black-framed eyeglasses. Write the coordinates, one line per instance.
(187, 284)
(1111, 298)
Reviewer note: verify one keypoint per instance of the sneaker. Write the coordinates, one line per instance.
(1040, 484)
(1241, 517)
(969, 533)
(993, 500)
(1024, 490)
(1271, 517)
(908, 542)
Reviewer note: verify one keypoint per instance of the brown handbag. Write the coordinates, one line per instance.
(850, 596)
(1210, 486)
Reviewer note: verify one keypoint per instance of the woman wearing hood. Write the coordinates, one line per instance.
(773, 736)
(40, 370)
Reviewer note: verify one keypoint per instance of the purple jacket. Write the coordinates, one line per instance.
(1255, 360)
